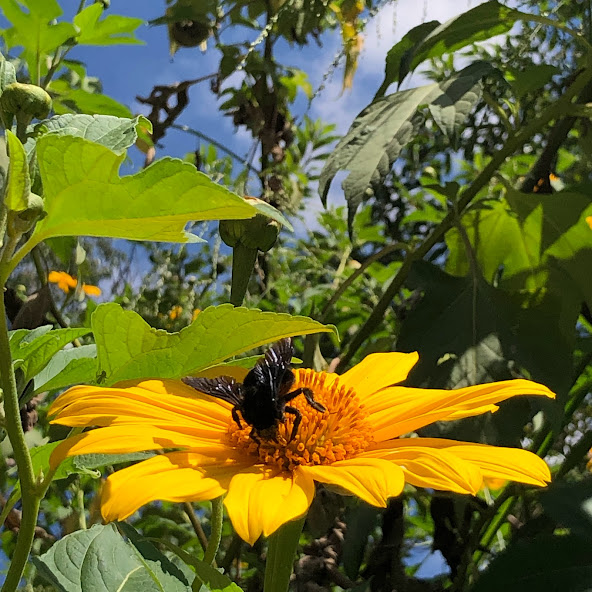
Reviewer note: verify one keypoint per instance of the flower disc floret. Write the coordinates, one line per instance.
(341, 432)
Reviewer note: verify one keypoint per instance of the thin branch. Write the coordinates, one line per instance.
(194, 132)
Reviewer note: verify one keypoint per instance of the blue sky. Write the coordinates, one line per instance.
(127, 71)
(131, 70)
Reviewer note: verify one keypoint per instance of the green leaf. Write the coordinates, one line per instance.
(478, 24)
(395, 54)
(100, 559)
(63, 247)
(530, 79)
(33, 349)
(7, 73)
(468, 332)
(213, 580)
(542, 242)
(85, 196)
(81, 101)
(450, 111)
(570, 504)
(84, 464)
(112, 30)
(18, 189)
(115, 133)
(35, 29)
(67, 367)
(548, 562)
(129, 348)
(379, 132)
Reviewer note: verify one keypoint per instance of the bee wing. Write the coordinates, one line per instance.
(222, 387)
(271, 369)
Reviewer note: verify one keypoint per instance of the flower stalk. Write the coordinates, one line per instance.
(217, 521)
(281, 552)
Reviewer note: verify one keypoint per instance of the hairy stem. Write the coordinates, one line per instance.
(30, 499)
(216, 521)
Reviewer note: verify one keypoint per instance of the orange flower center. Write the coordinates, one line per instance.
(341, 432)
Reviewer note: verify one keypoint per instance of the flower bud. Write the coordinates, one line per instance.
(24, 101)
(22, 221)
(259, 232)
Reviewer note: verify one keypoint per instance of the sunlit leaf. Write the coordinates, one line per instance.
(541, 242)
(114, 29)
(34, 28)
(116, 133)
(129, 348)
(85, 196)
(67, 367)
(18, 188)
(33, 349)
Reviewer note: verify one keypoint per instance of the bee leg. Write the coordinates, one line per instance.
(297, 420)
(309, 398)
(254, 437)
(236, 418)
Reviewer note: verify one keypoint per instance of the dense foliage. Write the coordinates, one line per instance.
(466, 236)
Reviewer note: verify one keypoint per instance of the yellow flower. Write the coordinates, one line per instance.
(65, 282)
(589, 221)
(175, 312)
(356, 445)
(90, 290)
(196, 311)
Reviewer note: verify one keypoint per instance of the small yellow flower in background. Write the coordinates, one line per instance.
(90, 290)
(356, 445)
(196, 311)
(66, 282)
(175, 312)
(589, 221)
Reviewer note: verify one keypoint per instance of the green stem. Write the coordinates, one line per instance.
(216, 521)
(201, 535)
(7, 268)
(243, 263)
(30, 499)
(283, 544)
(512, 144)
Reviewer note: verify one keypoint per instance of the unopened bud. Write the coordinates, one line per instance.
(24, 101)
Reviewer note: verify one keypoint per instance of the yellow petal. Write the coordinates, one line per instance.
(378, 371)
(428, 467)
(130, 438)
(261, 499)
(174, 477)
(372, 479)
(413, 408)
(495, 462)
(156, 402)
(91, 290)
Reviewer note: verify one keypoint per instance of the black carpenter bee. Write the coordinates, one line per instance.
(263, 396)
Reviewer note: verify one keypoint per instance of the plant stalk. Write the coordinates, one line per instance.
(283, 544)
(216, 521)
(16, 435)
